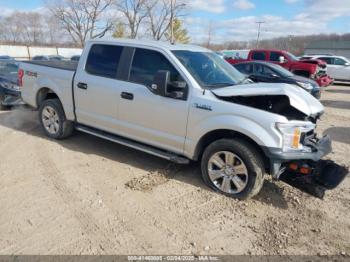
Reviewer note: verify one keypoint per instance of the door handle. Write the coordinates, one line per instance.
(127, 95)
(82, 85)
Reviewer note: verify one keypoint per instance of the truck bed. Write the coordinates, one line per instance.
(57, 76)
(64, 65)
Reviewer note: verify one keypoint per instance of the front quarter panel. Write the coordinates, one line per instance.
(299, 66)
(208, 113)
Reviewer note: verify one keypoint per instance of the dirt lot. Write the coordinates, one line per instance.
(85, 195)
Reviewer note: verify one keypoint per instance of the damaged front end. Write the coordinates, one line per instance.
(286, 100)
(298, 160)
(10, 97)
(306, 170)
(313, 177)
(10, 94)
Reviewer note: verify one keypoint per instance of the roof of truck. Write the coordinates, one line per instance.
(149, 43)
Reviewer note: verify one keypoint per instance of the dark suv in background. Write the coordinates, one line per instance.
(272, 73)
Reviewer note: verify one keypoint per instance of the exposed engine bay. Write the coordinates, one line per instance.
(278, 104)
(283, 99)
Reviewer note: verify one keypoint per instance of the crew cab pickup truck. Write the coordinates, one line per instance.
(314, 69)
(183, 103)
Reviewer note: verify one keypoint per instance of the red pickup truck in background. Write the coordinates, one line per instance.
(314, 69)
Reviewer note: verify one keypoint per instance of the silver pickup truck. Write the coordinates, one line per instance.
(184, 103)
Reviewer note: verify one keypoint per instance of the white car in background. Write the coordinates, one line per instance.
(338, 67)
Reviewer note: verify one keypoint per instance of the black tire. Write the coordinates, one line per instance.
(248, 155)
(2, 107)
(65, 127)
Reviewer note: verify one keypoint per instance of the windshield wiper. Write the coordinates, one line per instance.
(219, 85)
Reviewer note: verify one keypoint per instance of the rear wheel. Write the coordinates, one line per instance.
(233, 167)
(54, 121)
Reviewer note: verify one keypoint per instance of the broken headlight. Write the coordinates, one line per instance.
(292, 133)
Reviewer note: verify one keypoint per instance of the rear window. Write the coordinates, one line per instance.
(103, 60)
(328, 60)
(259, 56)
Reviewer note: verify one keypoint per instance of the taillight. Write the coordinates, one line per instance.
(20, 77)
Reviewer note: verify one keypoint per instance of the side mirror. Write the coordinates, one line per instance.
(163, 87)
(160, 82)
(282, 59)
(347, 64)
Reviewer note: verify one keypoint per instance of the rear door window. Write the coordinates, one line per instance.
(103, 60)
(328, 60)
(147, 63)
(275, 56)
(245, 68)
(263, 70)
(259, 55)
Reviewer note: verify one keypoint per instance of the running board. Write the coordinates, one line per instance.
(133, 144)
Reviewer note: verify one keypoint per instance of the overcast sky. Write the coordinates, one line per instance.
(236, 19)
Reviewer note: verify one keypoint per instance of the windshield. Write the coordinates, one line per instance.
(209, 69)
(281, 71)
(8, 70)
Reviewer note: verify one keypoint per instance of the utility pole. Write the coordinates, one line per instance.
(171, 22)
(172, 16)
(259, 28)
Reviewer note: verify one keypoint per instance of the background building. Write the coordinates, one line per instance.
(341, 48)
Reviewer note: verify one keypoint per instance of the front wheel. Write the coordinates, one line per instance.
(233, 167)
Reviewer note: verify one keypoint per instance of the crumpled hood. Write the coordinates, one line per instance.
(318, 62)
(299, 98)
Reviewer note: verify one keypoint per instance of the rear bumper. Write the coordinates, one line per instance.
(324, 81)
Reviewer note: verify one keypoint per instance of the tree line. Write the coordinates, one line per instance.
(72, 22)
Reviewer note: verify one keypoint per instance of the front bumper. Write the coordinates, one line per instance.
(325, 174)
(324, 81)
(10, 97)
(320, 149)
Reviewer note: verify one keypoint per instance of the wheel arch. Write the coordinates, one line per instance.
(45, 93)
(217, 134)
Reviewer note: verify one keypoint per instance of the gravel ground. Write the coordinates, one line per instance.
(85, 195)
